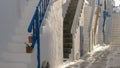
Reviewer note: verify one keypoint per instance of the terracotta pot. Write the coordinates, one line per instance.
(29, 49)
(30, 39)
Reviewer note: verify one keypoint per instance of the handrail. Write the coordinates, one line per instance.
(35, 25)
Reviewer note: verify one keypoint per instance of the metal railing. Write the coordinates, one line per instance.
(35, 25)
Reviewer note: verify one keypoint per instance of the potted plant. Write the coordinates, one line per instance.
(29, 49)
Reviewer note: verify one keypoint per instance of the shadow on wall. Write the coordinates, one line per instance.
(45, 64)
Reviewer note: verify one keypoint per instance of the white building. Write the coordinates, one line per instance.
(70, 29)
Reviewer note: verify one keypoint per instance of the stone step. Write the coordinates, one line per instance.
(115, 43)
(67, 45)
(114, 36)
(67, 35)
(66, 31)
(21, 31)
(115, 26)
(66, 55)
(20, 38)
(16, 48)
(68, 20)
(16, 57)
(12, 65)
(116, 31)
(67, 50)
(67, 40)
(117, 40)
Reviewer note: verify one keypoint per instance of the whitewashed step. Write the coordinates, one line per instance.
(16, 57)
(115, 40)
(19, 38)
(21, 31)
(116, 26)
(12, 65)
(16, 48)
(113, 43)
(116, 32)
(24, 24)
(116, 29)
(116, 37)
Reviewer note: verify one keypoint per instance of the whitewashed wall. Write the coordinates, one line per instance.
(75, 30)
(51, 37)
(76, 43)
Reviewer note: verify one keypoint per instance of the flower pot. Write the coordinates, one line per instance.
(29, 49)
(30, 39)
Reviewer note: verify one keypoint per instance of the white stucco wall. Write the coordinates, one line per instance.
(51, 37)
(75, 30)
(76, 43)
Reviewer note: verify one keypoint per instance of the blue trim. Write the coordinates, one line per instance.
(105, 14)
(32, 22)
(35, 25)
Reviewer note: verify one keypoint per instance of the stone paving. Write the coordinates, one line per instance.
(96, 60)
(114, 58)
(107, 58)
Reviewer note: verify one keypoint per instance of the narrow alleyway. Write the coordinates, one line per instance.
(102, 57)
(105, 56)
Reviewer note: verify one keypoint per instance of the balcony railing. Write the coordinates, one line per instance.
(35, 25)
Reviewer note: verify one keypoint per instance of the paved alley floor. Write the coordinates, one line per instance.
(102, 57)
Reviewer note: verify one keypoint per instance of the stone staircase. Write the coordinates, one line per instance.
(15, 55)
(67, 24)
(115, 29)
